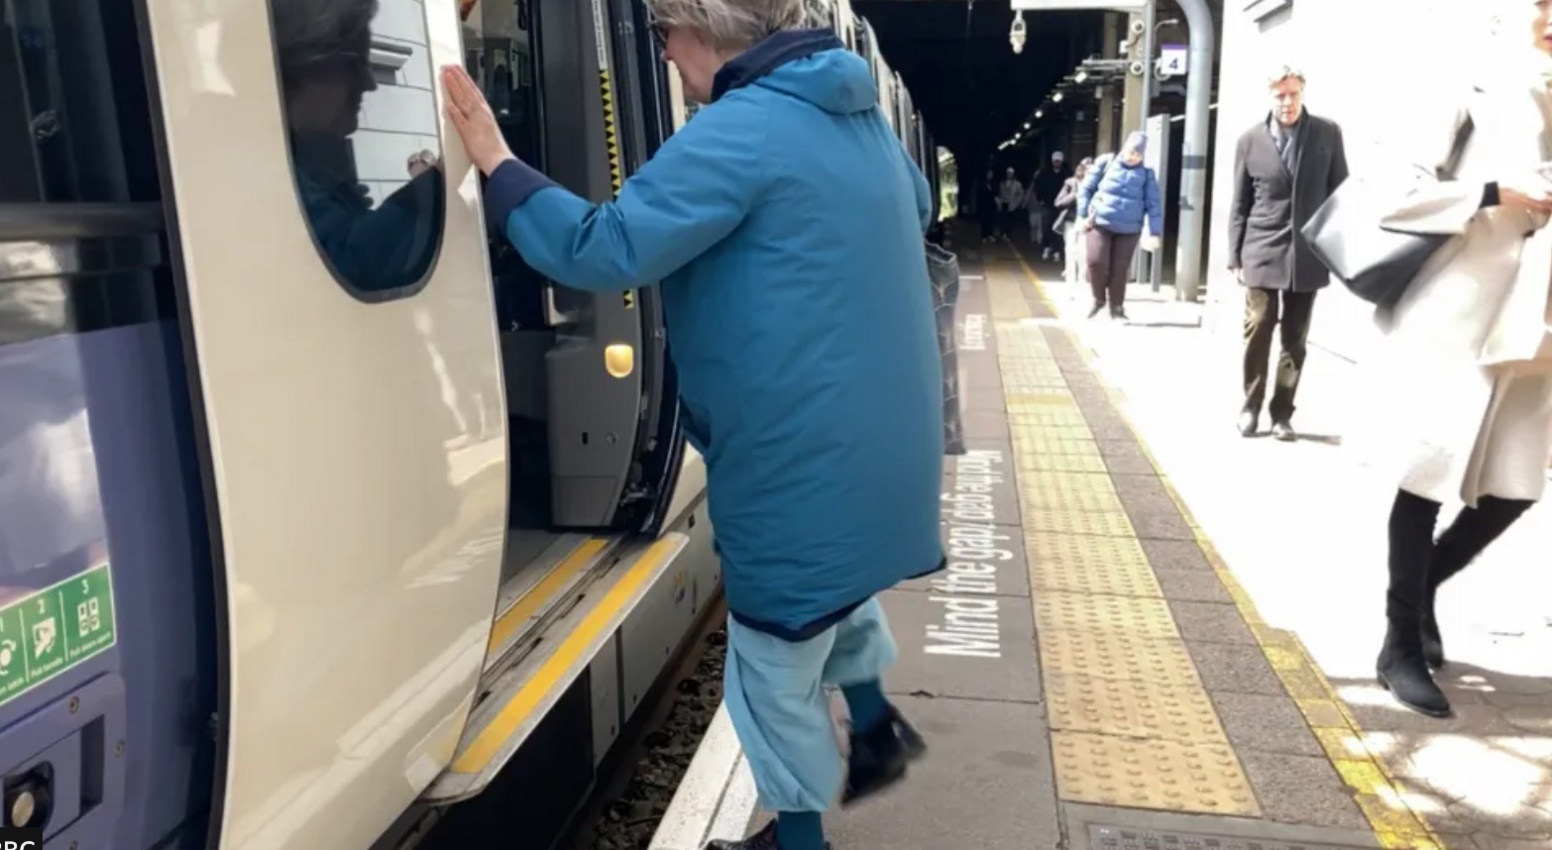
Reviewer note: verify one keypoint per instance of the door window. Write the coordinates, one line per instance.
(500, 54)
(358, 97)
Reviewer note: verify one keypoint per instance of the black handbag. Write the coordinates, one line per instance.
(1376, 263)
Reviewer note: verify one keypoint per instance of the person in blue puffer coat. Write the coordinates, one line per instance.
(1119, 196)
(784, 224)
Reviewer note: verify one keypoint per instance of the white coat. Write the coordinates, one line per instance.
(1460, 400)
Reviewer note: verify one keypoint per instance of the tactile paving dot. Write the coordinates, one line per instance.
(1007, 305)
(1103, 837)
(1087, 501)
(1019, 385)
(1054, 486)
(1111, 566)
(1065, 431)
(1039, 401)
(1104, 615)
(1039, 365)
(1118, 656)
(1025, 442)
(1164, 775)
(1022, 384)
(1062, 462)
(1071, 521)
(1128, 708)
(1049, 417)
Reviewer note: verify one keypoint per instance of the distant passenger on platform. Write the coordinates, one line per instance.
(988, 206)
(1462, 387)
(1044, 190)
(1011, 196)
(1075, 258)
(1285, 166)
(1118, 198)
(785, 224)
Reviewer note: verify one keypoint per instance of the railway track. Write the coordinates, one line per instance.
(650, 760)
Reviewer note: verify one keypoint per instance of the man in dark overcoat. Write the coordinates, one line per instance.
(1284, 168)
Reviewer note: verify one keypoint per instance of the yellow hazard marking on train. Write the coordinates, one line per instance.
(1374, 788)
(488, 743)
(507, 624)
(611, 132)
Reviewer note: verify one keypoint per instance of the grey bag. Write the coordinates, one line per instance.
(943, 271)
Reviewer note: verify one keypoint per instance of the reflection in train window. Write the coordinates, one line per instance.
(80, 242)
(362, 124)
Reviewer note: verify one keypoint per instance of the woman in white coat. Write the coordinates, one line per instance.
(1465, 405)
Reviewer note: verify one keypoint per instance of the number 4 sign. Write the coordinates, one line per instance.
(1172, 60)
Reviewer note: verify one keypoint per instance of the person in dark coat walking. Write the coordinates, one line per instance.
(1284, 169)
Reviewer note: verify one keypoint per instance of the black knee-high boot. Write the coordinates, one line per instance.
(1473, 530)
(1401, 667)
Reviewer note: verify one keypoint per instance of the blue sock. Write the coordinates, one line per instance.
(867, 705)
(800, 831)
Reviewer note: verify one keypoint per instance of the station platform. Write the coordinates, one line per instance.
(1090, 673)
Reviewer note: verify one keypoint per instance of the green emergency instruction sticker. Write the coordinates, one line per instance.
(54, 629)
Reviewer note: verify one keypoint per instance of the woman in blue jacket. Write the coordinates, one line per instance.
(1118, 197)
(785, 225)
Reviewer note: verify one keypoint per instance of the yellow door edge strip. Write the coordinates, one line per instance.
(508, 623)
(488, 743)
(1394, 822)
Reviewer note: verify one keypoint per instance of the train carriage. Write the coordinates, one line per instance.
(320, 512)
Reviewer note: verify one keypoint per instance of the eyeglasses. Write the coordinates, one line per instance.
(659, 31)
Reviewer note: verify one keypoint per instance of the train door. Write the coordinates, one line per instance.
(334, 295)
(107, 679)
(592, 401)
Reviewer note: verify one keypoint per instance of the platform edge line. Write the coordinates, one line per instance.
(698, 799)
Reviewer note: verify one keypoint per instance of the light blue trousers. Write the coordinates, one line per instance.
(775, 696)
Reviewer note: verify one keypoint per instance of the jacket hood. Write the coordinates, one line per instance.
(812, 65)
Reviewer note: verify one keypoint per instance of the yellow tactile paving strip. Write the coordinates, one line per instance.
(1114, 627)
(1132, 724)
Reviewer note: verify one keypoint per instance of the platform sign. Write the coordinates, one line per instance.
(54, 629)
(1157, 158)
(1172, 59)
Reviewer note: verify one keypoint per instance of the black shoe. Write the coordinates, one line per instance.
(879, 756)
(765, 839)
(1402, 671)
(1118, 314)
(1249, 421)
(1281, 430)
(1094, 311)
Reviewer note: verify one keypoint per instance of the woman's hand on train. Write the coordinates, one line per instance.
(476, 123)
(1532, 193)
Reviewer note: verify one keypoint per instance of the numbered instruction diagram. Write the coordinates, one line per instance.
(54, 629)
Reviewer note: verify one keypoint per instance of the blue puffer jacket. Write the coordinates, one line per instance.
(785, 223)
(1122, 195)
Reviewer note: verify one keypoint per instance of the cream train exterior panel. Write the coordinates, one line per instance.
(340, 711)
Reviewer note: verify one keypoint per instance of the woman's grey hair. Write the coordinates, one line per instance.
(312, 32)
(729, 24)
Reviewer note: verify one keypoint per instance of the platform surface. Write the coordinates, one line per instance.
(1092, 671)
